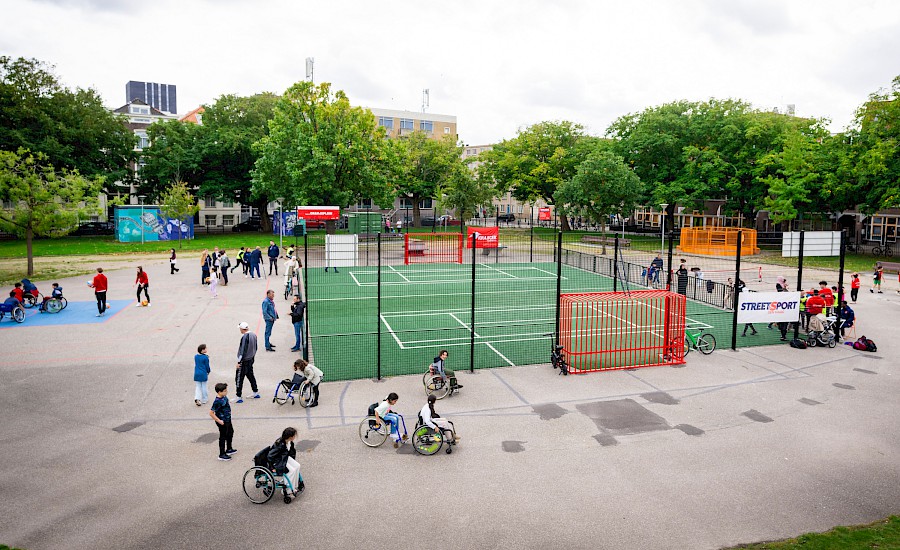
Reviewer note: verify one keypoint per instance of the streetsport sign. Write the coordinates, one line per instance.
(768, 307)
(543, 214)
(487, 237)
(319, 212)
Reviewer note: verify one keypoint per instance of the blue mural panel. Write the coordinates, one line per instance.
(133, 221)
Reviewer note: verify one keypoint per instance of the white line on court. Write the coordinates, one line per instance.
(464, 325)
(550, 273)
(500, 271)
(398, 273)
(355, 279)
(511, 364)
(531, 290)
(399, 343)
(438, 282)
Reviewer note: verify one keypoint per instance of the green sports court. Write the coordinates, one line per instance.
(428, 307)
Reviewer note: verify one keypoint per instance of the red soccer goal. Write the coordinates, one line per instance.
(429, 248)
(622, 330)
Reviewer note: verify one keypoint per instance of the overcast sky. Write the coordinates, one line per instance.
(497, 66)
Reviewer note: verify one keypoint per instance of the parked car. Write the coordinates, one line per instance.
(251, 224)
(93, 228)
(508, 218)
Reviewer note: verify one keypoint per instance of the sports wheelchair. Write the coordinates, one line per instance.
(261, 481)
(374, 433)
(16, 311)
(427, 441)
(299, 385)
(436, 384)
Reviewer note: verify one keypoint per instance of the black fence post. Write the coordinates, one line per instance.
(840, 291)
(378, 345)
(737, 290)
(306, 288)
(559, 237)
(799, 282)
(472, 318)
(616, 265)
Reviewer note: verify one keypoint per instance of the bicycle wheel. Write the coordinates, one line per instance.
(706, 343)
(29, 300)
(888, 252)
(306, 392)
(259, 485)
(53, 305)
(281, 394)
(437, 386)
(876, 251)
(686, 343)
(426, 441)
(370, 435)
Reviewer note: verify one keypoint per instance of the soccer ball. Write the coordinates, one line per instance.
(207, 279)
(144, 303)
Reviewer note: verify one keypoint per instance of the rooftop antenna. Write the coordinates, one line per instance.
(309, 68)
(426, 99)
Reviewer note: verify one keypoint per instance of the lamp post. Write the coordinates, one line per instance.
(141, 224)
(662, 230)
(280, 205)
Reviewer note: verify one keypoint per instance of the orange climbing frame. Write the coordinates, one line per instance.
(717, 241)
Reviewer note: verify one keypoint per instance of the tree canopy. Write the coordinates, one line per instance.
(423, 165)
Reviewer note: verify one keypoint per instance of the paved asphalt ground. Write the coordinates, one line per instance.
(102, 446)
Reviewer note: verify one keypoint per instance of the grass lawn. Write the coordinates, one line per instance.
(882, 534)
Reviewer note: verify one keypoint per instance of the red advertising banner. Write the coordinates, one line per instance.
(319, 212)
(487, 237)
(544, 214)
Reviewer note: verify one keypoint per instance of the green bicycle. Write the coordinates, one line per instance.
(704, 342)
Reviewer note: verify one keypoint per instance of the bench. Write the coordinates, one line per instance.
(607, 241)
(374, 236)
(499, 248)
(416, 247)
(891, 266)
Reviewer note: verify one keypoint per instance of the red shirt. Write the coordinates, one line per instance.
(99, 282)
(827, 295)
(855, 283)
(814, 305)
(142, 278)
(20, 296)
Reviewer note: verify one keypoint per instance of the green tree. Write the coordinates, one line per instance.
(423, 166)
(603, 185)
(322, 151)
(177, 203)
(875, 150)
(537, 161)
(45, 202)
(71, 128)
(465, 193)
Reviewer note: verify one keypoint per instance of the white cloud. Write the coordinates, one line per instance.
(496, 66)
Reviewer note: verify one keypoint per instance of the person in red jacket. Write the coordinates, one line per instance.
(143, 283)
(99, 286)
(828, 295)
(19, 293)
(854, 287)
(815, 304)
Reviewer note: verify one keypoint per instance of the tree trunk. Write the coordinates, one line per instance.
(564, 222)
(29, 237)
(417, 220)
(265, 222)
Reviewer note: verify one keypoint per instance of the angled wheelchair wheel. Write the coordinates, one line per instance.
(437, 386)
(29, 300)
(282, 393)
(306, 392)
(18, 314)
(706, 343)
(370, 434)
(54, 305)
(427, 441)
(63, 301)
(259, 485)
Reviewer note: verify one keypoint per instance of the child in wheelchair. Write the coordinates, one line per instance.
(57, 293)
(428, 417)
(281, 459)
(437, 367)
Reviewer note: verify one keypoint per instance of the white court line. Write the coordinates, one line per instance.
(438, 282)
(398, 273)
(577, 333)
(511, 364)
(355, 279)
(500, 271)
(399, 343)
(465, 325)
(482, 292)
(547, 272)
(477, 310)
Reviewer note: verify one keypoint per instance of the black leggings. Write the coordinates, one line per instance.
(246, 370)
(146, 293)
(239, 263)
(854, 293)
(101, 300)
(226, 432)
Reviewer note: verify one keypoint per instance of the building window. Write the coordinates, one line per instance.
(364, 203)
(209, 219)
(142, 140)
(426, 203)
(386, 122)
(228, 220)
(407, 124)
(209, 202)
(426, 126)
(227, 204)
(446, 129)
(405, 203)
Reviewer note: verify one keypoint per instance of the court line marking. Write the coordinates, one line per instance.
(480, 292)
(355, 279)
(500, 271)
(445, 281)
(550, 273)
(399, 343)
(464, 269)
(472, 329)
(511, 364)
(398, 273)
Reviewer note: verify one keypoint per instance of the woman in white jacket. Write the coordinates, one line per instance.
(313, 374)
(434, 421)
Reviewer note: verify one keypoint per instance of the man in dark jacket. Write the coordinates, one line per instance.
(255, 261)
(273, 257)
(297, 309)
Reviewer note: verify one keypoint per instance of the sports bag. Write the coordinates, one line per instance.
(870, 345)
(798, 344)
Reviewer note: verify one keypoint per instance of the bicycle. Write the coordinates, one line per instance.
(288, 286)
(703, 342)
(557, 359)
(885, 250)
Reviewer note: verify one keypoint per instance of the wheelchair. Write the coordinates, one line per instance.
(261, 482)
(31, 299)
(435, 384)
(374, 433)
(427, 441)
(17, 312)
(287, 388)
(54, 305)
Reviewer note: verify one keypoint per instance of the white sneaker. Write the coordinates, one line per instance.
(137, 304)
(149, 304)
(99, 315)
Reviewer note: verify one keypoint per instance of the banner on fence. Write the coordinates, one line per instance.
(132, 221)
(319, 212)
(815, 243)
(769, 307)
(289, 221)
(486, 237)
(544, 214)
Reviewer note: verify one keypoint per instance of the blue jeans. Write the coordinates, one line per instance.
(254, 267)
(298, 334)
(200, 392)
(269, 325)
(394, 421)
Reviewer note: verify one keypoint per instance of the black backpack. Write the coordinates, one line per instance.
(261, 458)
(798, 344)
(870, 345)
(372, 408)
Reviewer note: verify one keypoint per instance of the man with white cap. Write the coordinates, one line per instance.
(245, 357)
